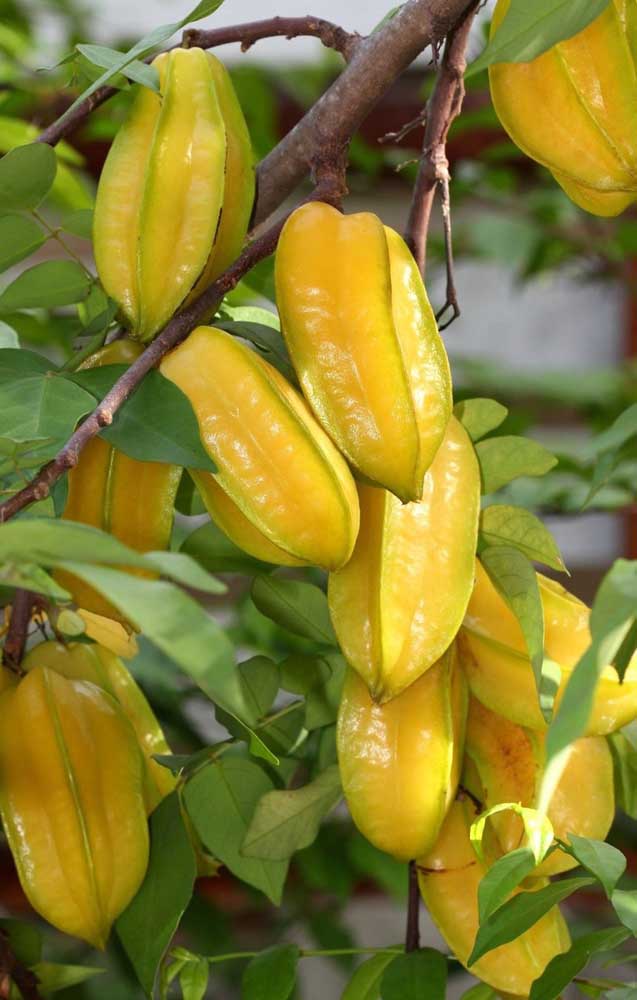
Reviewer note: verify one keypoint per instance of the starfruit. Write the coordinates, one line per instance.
(398, 603)
(83, 661)
(175, 195)
(449, 876)
(275, 465)
(400, 762)
(72, 802)
(500, 675)
(132, 500)
(364, 343)
(574, 108)
(508, 764)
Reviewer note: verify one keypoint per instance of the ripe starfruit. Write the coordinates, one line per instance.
(84, 661)
(493, 655)
(364, 342)
(132, 500)
(574, 108)
(398, 603)
(449, 876)
(278, 472)
(508, 764)
(72, 801)
(175, 195)
(400, 762)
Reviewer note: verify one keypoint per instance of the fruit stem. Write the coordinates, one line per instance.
(412, 932)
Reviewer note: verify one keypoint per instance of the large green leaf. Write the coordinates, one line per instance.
(287, 821)
(47, 285)
(20, 236)
(146, 927)
(562, 969)
(26, 176)
(410, 975)
(365, 983)
(272, 974)
(503, 524)
(221, 800)
(299, 607)
(529, 29)
(602, 860)
(479, 416)
(105, 58)
(502, 878)
(508, 457)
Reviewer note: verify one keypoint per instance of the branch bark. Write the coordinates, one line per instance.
(443, 107)
(13, 970)
(21, 610)
(331, 35)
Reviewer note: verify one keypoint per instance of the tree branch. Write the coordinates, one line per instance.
(247, 34)
(331, 35)
(412, 932)
(21, 611)
(443, 107)
(13, 970)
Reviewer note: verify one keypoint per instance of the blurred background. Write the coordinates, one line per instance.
(548, 327)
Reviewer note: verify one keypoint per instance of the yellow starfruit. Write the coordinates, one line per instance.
(90, 662)
(400, 762)
(574, 108)
(275, 464)
(449, 876)
(175, 195)
(493, 654)
(72, 801)
(364, 342)
(398, 603)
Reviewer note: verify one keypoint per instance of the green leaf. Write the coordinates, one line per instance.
(562, 969)
(272, 974)
(148, 924)
(288, 821)
(79, 223)
(479, 416)
(38, 404)
(184, 570)
(602, 860)
(262, 329)
(503, 524)
(528, 30)
(47, 285)
(215, 552)
(515, 916)
(8, 337)
(193, 979)
(406, 976)
(502, 878)
(514, 578)
(365, 983)
(157, 423)
(324, 697)
(30, 577)
(20, 236)
(259, 678)
(221, 800)
(625, 768)
(26, 176)
(53, 977)
(25, 940)
(625, 905)
(299, 607)
(479, 992)
(105, 58)
(143, 47)
(623, 429)
(508, 457)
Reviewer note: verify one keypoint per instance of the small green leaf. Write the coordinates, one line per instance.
(365, 983)
(105, 58)
(8, 337)
(528, 30)
(508, 457)
(260, 682)
(147, 926)
(602, 860)
(221, 800)
(625, 767)
(479, 992)
(562, 969)
(26, 176)
(409, 976)
(193, 979)
(299, 607)
(47, 285)
(502, 878)
(79, 223)
(623, 429)
(20, 236)
(272, 974)
(288, 821)
(515, 916)
(503, 524)
(53, 977)
(479, 416)
(625, 905)
(38, 404)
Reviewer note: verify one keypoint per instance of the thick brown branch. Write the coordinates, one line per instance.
(443, 107)
(331, 35)
(21, 610)
(330, 188)
(11, 970)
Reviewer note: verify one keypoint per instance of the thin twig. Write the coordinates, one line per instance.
(330, 188)
(247, 34)
(331, 35)
(14, 645)
(12, 970)
(443, 107)
(412, 932)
